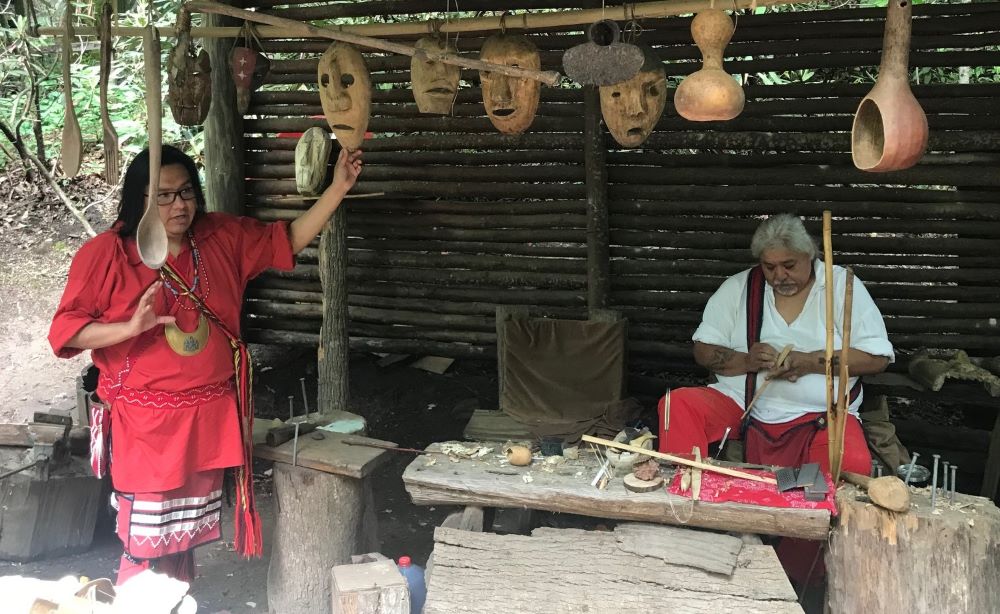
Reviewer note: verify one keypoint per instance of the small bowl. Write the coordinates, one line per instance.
(919, 477)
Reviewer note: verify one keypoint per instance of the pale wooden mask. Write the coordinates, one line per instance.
(345, 90)
(632, 108)
(510, 103)
(435, 84)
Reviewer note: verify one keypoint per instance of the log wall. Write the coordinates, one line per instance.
(472, 218)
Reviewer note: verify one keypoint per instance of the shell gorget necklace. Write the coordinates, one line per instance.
(182, 342)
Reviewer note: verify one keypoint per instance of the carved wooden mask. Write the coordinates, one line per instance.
(510, 103)
(632, 108)
(189, 78)
(435, 84)
(345, 91)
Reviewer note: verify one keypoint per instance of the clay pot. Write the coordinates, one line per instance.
(890, 128)
(711, 94)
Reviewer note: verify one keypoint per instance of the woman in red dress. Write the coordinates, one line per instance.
(173, 414)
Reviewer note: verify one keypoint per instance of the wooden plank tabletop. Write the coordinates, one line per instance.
(330, 454)
(488, 481)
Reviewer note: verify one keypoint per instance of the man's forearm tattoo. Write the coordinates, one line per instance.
(720, 358)
(836, 361)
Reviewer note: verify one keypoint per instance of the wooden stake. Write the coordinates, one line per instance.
(828, 268)
(677, 460)
(843, 401)
(299, 28)
(767, 381)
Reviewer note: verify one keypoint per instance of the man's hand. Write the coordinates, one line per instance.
(346, 170)
(796, 365)
(144, 317)
(761, 357)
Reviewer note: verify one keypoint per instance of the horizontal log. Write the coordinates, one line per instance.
(425, 189)
(507, 296)
(802, 174)
(375, 315)
(743, 259)
(423, 124)
(958, 141)
(971, 277)
(877, 290)
(367, 344)
(409, 333)
(490, 174)
(885, 209)
(890, 245)
(420, 158)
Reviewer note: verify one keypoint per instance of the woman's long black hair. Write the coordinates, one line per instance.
(133, 202)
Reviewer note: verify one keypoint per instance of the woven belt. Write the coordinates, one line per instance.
(161, 399)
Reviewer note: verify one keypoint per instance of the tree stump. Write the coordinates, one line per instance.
(321, 520)
(920, 561)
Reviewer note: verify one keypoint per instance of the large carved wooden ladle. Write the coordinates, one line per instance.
(710, 94)
(151, 236)
(890, 128)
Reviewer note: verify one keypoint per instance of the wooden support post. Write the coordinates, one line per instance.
(224, 173)
(333, 337)
(319, 524)
(991, 472)
(598, 251)
(880, 561)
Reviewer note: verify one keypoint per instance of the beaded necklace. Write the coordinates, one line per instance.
(199, 274)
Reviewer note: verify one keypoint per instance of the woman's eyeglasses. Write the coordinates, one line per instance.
(167, 198)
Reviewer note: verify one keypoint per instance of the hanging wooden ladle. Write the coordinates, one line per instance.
(890, 128)
(72, 141)
(112, 157)
(151, 236)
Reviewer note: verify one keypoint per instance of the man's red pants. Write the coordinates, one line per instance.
(700, 416)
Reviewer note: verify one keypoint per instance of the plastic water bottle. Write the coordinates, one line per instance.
(414, 575)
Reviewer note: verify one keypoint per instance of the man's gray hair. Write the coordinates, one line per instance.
(783, 231)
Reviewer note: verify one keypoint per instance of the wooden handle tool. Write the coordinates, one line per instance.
(887, 492)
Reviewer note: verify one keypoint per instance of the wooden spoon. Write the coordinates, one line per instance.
(72, 141)
(151, 236)
(112, 157)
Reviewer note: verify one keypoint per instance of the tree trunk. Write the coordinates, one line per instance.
(333, 345)
(224, 180)
(920, 561)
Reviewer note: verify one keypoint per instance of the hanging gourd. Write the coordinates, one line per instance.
(710, 94)
(890, 128)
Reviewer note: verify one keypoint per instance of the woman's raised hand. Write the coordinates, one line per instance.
(144, 317)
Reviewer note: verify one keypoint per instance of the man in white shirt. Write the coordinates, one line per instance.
(746, 323)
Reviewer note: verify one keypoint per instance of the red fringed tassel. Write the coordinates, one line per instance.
(246, 524)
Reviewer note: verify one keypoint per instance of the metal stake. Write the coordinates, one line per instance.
(944, 488)
(934, 476)
(878, 470)
(305, 399)
(909, 470)
(954, 476)
(295, 446)
(291, 407)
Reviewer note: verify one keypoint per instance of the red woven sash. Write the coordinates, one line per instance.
(246, 525)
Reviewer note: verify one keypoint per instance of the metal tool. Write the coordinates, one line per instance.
(295, 446)
(818, 491)
(944, 487)
(291, 407)
(787, 478)
(909, 470)
(934, 479)
(305, 399)
(954, 483)
(808, 475)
